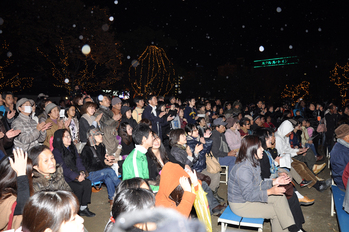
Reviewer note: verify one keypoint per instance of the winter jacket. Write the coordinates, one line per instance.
(92, 163)
(217, 139)
(282, 144)
(233, 139)
(69, 175)
(136, 165)
(137, 114)
(155, 120)
(56, 181)
(29, 136)
(180, 154)
(200, 163)
(5, 142)
(130, 121)
(190, 114)
(84, 127)
(169, 180)
(50, 132)
(339, 159)
(245, 184)
(107, 117)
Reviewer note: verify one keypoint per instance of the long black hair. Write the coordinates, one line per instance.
(248, 150)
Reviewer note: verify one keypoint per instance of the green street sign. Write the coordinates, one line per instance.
(275, 62)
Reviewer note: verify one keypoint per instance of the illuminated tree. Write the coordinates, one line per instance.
(296, 92)
(50, 35)
(9, 81)
(339, 75)
(152, 73)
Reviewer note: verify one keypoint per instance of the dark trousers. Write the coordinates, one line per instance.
(296, 211)
(82, 190)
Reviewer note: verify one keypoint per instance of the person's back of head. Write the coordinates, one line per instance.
(50, 210)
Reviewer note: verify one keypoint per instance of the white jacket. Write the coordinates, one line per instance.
(282, 144)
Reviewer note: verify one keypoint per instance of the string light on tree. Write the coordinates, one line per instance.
(296, 92)
(154, 74)
(339, 75)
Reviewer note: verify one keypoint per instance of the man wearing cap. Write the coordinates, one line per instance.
(256, 122)
(108, 118)
(31, 133)
(340, 154)
(220, 148)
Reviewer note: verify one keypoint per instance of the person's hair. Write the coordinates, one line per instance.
(101, 99)
(189, 99)
(244, 120)
(67, 109)
(163, 154)
(8, 178)
(76, 99)
(5, 93)
(263, 134)
(137, 99)
(150, 97)
(161, 104)
(87, 105)
(134, 183)
(140, 131)
(174, 136)
(34, 153)
(126, 138)
(189, 128)
(49, 209)
(199, 120)
(177, 194)
(130, 200)
(248, 150)
(146, 122)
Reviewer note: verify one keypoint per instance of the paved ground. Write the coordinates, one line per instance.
(317, 216)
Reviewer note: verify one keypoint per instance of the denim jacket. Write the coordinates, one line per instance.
(245, 184)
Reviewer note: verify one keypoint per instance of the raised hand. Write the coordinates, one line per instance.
(193, 177)
(184, 182)
(19, 164)
(47, 126)
(12, 133)
(98, 118)
(11, 114)
(67, 123)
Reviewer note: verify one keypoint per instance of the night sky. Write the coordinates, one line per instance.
(200, 36)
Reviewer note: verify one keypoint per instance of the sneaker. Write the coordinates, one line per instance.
(324, 185)
(86, 212)
(317, 168)
(305, 183)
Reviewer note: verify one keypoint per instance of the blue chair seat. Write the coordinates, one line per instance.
(342, 216)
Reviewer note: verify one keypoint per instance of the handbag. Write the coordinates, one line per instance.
(212, 164)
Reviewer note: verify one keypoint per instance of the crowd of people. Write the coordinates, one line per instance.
(162, 152)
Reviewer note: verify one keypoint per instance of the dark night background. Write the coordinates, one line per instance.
(212, 44)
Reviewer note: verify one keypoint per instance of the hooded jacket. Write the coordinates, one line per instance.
(282, 144)
(169, 180)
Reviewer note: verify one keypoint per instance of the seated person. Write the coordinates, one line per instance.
(340, 154)
(98, 163)
(74, 171)
(136, 164)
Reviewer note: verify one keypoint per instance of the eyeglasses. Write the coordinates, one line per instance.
(67, 137)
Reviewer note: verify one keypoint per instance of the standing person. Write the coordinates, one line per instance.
(88, 120)
(108, 117)
(156, 120)
(220, 148)
(116, 105)
(32, 133)
(74, 171)
(70, 114)
(331, 119)
(232, 134)
(52, 110)
(250, 196)
(15, 188)
(98, 163)
(190, 113)
(138, 111)
(127, 116)
(9, 104)
(51, 211)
